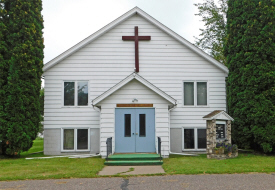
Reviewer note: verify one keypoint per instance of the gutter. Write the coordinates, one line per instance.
(96, 108)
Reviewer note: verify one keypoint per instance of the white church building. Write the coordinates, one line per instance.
(133, 80)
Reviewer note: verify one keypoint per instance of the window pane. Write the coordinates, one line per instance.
(189, 139)
(82, 139)
(220, 131)
(68, 93)
(127, 120)
(188, 93)
(201, 138)
(202, 93)
(82, 89)
(68, 139)
(142, 127)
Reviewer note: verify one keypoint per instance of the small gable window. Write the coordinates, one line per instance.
(195, 93)
(76, 93)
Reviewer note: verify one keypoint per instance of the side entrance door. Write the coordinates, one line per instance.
(134, 130)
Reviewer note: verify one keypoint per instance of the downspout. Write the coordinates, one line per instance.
(98, 110)
(184, 154)
(169, 112)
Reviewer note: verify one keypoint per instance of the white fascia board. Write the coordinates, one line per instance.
(156, 90)
(89, 39)
(129, 79)
(228, 116)
(183, 41)
(215, 116)
(112, 90)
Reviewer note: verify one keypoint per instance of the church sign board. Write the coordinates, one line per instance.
(220, 131)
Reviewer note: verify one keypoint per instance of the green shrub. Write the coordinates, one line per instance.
(234, 148)
(228, 147)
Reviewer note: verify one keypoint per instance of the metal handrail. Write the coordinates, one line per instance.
(109, 146)
(159, 147)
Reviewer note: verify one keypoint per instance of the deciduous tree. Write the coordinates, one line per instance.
(213, 35)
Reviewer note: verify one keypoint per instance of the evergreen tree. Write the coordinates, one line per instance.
(25, 61)
(250, 51)
(41, 101)
(3, 68)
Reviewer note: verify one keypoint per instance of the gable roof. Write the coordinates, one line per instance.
(122, 18)
(218, 114)
(129, 79)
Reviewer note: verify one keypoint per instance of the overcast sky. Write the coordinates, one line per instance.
(67, 22)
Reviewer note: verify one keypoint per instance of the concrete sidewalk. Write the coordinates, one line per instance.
(131, 170)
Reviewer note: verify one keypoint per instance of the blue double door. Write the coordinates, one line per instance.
(134, 130)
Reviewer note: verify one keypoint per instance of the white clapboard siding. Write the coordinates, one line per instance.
(58, 116)
(106, 61)
(70, 114)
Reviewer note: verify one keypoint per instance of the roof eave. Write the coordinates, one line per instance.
(89, 39)
(112, 90)
(156, 90)
(215, 116)
(121, 19)
(184, 41)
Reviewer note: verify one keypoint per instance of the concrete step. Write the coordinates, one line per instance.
(133, 162)
(133, 159)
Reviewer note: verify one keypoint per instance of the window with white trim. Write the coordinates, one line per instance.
(195, 93)
(76, 93)
(194, 139)
(75, 139)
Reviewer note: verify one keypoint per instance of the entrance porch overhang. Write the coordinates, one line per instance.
(129, 79)
(135, 93)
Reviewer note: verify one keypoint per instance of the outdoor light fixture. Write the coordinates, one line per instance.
(135, 100)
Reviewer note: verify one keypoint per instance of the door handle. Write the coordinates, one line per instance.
(133, 133)
(136, 133)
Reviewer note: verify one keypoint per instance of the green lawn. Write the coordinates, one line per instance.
(52, 168)
(244, 163)
(56, 168)
(36, 147)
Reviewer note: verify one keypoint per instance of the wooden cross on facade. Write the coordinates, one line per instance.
(136, 38)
